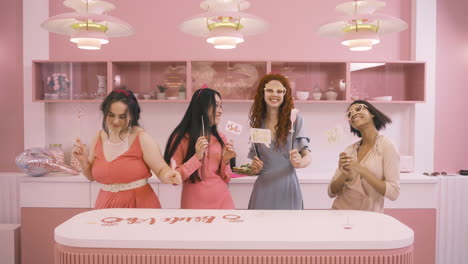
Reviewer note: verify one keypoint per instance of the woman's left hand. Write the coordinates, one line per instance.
(228, 153)
(295, 158)
(171, 177)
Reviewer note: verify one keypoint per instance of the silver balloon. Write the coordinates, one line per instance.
(39, 161)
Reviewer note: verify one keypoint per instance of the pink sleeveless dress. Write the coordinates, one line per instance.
(126, 168)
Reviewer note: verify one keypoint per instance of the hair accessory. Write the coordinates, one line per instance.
(122, 92)
(204, 86)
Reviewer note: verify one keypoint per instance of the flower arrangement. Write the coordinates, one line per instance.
(162, 88)
(58, 82)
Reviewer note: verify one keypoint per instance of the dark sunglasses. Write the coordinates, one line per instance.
(435, 173)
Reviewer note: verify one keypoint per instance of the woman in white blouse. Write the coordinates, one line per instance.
(369, 169)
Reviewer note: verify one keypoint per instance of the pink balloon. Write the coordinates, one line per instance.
(39, 161)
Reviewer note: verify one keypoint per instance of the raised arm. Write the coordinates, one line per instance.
(155, 161)
(192, 164)
(85, 157)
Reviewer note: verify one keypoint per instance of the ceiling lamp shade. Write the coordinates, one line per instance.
(223, 24)
(88, 27)
(361, 27)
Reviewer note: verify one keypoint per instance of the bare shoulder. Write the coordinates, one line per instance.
(95, 139)
(145, 138)
(93, 143)
(136, 130)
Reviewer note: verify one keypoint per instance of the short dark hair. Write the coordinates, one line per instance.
(380, 119)
(126, 97)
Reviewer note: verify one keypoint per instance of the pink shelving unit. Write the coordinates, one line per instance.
(146, 78)
(403, 82)
(393, 82)
(322, 77)
(60, 81)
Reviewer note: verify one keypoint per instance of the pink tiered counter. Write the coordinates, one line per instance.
(137, 236)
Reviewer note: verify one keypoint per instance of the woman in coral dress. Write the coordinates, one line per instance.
(122, 155)
(201, 154)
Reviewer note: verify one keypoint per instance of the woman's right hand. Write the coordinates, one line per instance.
(80, 152)
(256, 165)
(343, 163)
(200, 147)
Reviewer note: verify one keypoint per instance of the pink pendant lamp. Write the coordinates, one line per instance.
(88, 27)
(361, 27)
(223, 24)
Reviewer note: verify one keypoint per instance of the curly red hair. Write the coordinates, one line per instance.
(258, 109)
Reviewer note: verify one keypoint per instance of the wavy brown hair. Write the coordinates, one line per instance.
(258, 109)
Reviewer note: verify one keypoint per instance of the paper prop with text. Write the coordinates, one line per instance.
(258, 135)
(335, 134)
(233, 127)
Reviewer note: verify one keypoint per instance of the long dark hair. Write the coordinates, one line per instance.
(258, 109)
(191, 125)
(126, 97)
(380, 119)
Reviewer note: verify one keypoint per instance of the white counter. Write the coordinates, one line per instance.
(59, 190)
(234, 229)
(303, 178)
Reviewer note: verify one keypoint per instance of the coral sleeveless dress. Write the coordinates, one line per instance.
(126, 168)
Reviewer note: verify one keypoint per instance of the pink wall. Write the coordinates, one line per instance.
(451, 141)
(11, 89)
(291, 36)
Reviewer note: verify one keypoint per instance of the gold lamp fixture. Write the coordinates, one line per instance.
(223, 24)
(88, 26)
(361, 27)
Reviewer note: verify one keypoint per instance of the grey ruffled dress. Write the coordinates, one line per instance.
(277, 186)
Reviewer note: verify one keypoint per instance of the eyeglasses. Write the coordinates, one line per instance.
(270, 91)
(357, 108)
(435, 173)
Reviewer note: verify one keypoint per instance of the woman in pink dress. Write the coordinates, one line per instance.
(201, 154)
(369, 169)
(121, 156)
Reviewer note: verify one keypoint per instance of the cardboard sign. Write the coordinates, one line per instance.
(293, 117)
(258, 135)
(335, 134)
(233, 127)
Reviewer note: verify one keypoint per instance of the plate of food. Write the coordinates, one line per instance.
(244, 170)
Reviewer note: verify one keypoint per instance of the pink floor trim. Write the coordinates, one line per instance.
(73, 255)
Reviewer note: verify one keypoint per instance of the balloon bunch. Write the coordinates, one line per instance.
(39, 161)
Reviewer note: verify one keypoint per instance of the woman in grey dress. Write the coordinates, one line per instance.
(277, 186)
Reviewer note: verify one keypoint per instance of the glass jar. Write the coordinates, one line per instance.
(57, 151)
(331, 94)
(316, 92)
